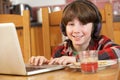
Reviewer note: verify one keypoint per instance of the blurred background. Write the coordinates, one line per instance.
(17, 6)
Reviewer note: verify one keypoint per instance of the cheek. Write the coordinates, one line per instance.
(88, 31)
(89, 28)
(68, 30)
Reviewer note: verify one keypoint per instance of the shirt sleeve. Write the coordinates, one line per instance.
(57, 52)
(109, 50)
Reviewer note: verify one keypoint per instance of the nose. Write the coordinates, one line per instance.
(77, 29)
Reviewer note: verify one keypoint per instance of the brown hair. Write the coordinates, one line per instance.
(83, 12)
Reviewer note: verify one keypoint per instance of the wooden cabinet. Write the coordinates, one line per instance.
(5, 6)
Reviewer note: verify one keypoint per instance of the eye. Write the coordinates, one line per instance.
(70, 24)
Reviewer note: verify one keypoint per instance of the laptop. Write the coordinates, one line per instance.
(11, 59)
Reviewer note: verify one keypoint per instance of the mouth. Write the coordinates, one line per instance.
(77, 37)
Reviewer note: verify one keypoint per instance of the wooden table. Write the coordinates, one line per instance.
(108, 73)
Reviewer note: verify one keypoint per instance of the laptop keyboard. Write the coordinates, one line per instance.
(32, 68)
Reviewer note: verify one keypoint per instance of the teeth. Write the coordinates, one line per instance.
(77, 36)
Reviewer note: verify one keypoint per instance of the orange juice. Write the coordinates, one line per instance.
(89, 67)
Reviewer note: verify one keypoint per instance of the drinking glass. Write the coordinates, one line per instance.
(89, 61)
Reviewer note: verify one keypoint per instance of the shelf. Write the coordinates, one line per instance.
(5, 6)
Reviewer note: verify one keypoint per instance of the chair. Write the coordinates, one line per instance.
(107, 21)
(22, 24)
(51, 30)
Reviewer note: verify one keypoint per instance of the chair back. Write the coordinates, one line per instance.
(22, 24)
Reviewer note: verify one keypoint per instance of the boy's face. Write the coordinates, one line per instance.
(78, 33)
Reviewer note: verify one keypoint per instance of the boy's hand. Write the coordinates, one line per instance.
(38, 60)
(63, 60)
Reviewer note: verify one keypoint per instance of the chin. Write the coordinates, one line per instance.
(76, 43)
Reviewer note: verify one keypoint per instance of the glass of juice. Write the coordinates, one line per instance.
(89, 61)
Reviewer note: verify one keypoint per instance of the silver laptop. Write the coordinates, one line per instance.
(11, 59)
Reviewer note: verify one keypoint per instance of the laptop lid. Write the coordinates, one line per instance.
(11, 59)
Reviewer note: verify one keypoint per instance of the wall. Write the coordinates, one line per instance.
(35, 3)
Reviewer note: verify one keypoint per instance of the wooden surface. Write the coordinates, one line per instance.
(116, 31)
(107, 19)
(36, 41)
(108, 73)
(46, 34)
